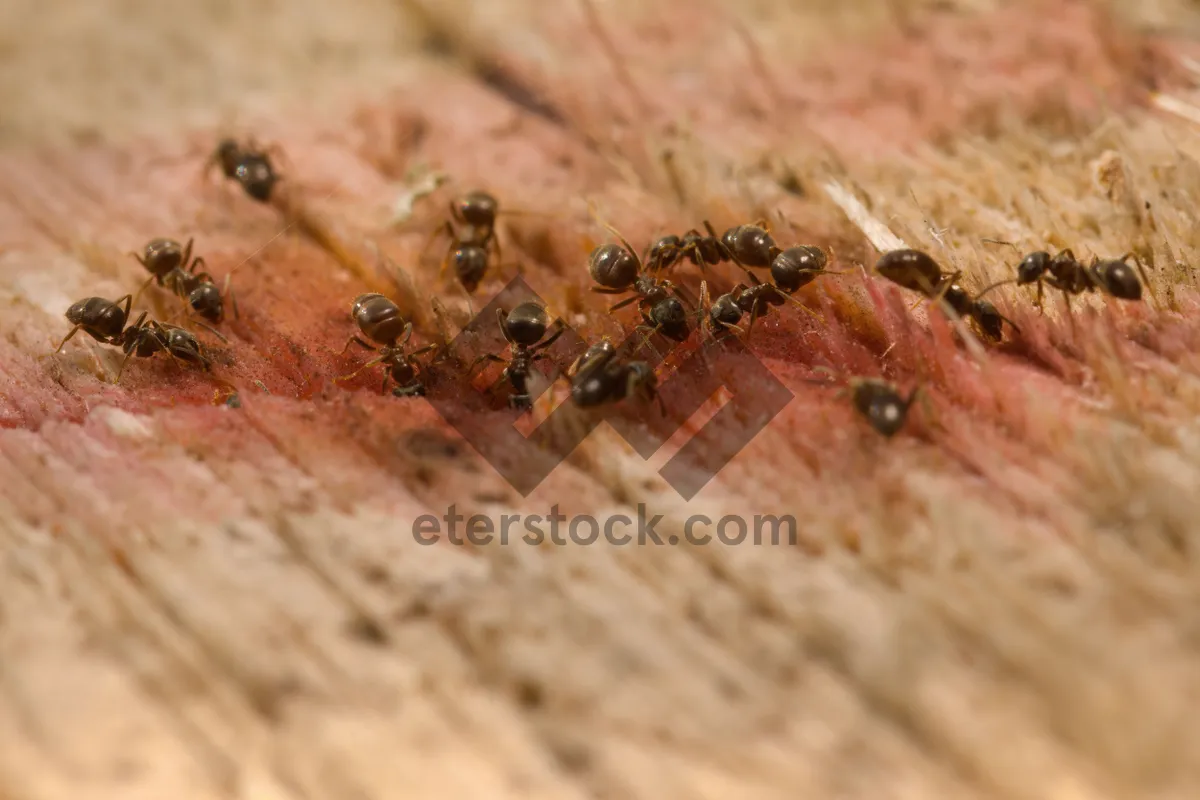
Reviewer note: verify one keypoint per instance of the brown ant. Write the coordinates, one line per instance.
(380, 320)
(879, 402)
(475, 215)
(524, 328)
(600, 377)
(1063, 271)
(249, 165)
(171, 266)
(616, 269)
(105, 321)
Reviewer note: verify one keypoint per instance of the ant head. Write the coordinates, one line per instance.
(205, 300)
(613, 267)
(1120, 280)
(526, 324)
(79, 310)
(881, 403)
(470, 265)
(477, 208)
(1033, 266)
(228, 150)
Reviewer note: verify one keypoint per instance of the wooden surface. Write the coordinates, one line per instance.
(206, 601)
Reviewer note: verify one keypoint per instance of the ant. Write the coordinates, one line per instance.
(879, 402)
(524, 328)
(1063, 271)
(600, 377)
(616, 269)
(475, 214)
(171, 266)
(791, 270)
(105, 321)
(249, 165)
(919, 272)
(380, 320)
(744, 245)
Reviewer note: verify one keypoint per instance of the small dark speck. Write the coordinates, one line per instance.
(530, 694)
(375, 573)
(573, 757)
(367, 630)
(429, 443)
(234, 400)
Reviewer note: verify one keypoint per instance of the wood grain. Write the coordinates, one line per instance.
(206, 600)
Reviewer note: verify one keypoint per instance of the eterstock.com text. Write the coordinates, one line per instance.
(616, 529)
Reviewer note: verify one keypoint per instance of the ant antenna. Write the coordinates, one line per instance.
(994, 286)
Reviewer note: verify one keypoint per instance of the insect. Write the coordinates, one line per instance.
(105, 321)
(524, 329)
(693, 246)
(249, 165)
(616, 270)
(878, 401)
(796, 267)
(917, 271)
(472, 233)
(881, 403)
(380, 320)
(600, 377)
(171, 266)
(1063, 271)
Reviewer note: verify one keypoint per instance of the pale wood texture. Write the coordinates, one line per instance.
(201, 601)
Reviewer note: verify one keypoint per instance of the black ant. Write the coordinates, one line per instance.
(599, 377)
(879, 402)
(105, 321)
(919, 272)
(791, 270)
(171, 266)
(616, 269)
(744, 245)
(249, 165)
(524, 328)
(475, 214)
(1063, 271)
(380, 320)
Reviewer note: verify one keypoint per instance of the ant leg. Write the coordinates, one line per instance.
(623, 303)
(553, 338)
(608, 290)
(433, 234)
(121, 369)
(227, 291)
(145, 285)
(187, 252)
(502, 318)
(367, 365)
(67, 338)
(489, 357)
(804, 308)
(352, 340)
(211, 330)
